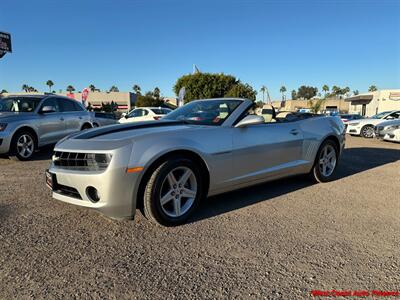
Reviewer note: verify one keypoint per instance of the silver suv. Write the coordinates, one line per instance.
(29, 122)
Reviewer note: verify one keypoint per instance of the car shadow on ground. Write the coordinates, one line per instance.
(353, 161)
(44, 153)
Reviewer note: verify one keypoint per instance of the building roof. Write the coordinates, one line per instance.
(365, 97)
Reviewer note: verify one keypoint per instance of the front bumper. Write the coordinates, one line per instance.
(353, 130)
(117, 188)
(5, 141)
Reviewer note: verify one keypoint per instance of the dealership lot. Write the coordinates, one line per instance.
(276, 240)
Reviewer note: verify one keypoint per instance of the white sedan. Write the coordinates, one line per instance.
(145, 114)
(388, 131)
(365, 127)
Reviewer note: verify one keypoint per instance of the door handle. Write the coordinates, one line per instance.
(61, 119)
(80, 118)
(294, 131)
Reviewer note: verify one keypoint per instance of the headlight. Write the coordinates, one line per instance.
(82, 161)
(393, 127)
(353, 124)
(3, 126)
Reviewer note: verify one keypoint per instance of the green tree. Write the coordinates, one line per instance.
(25, 87)
(325, 89)
(372, 88)
(336, 91)
(316, 105)
(70, 89)
(283, 90)
(263, 90)
(260, 103)
(156, 92)
(345, 91)
(241, 90)
(114, 89)
(306, 92)
(49, 83)
(148, 100)
(211, 85)
(3, 91)
(294, 95)
(136, 89)
(356, 92)
(92, 88)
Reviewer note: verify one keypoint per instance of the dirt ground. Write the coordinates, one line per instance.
(278, 240)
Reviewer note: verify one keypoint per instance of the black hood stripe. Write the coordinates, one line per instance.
(124, 127)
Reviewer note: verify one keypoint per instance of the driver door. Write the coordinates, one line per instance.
(266, 151)
(51, 125)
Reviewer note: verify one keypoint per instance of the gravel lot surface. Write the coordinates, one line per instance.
(277, 240)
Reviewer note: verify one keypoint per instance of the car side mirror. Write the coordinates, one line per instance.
(250, 120)
(47, 109)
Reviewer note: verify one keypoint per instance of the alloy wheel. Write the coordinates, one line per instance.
(25, 146)
(327, 160)
(368, 132)
(178, 192)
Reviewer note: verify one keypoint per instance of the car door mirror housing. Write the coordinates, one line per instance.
(47, 109)
(250, 120)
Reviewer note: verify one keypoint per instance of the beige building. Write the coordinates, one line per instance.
(329, 104)
(371, 103)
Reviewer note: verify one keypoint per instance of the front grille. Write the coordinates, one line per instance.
(67, 191)
(81, 161)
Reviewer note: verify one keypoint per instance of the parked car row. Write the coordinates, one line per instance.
(384, 125)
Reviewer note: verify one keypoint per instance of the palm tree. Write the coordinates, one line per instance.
(136, 88)
(316, 105)
(156, 92)
(346, 91)
(114, 89)
(25, 87)
(283, 90)
(325, 88)
(92, 88)
(49, 83)
(372, 88)
(356, 92)
(70, 89)
(3, 91)
(263, 90)
(336, 90)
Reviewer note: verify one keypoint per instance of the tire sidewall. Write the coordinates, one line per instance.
(14, 151)
(155, 204)
(316, 171)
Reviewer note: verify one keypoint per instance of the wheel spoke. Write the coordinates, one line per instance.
(324, 169)
(188, 193)
(177, 206)
(185, 177)
(171, 179)
(166, 198)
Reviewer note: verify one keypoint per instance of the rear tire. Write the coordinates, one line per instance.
(23, 146)
(367, 132)
(173, 192)
(325, 162)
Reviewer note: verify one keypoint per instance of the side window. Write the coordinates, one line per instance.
(77, 106)
(67, 105)
(395, 115)
(135, 113)
(52, 102)
(144, 112)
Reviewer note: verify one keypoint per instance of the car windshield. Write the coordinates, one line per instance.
(161, 111)
(380, 115)
(204, 112)
(19, 104)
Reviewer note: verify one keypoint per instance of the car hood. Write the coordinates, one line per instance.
(119, 135)
(389, 123)
(8, 117)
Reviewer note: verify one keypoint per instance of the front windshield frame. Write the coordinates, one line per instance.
(15, 104)
(191, 115)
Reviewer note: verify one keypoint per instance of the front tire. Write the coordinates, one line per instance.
(367, 131)
(325, 162)
(23, 146)
(173, 192)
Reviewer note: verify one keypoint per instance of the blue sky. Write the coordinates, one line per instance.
(151, 43)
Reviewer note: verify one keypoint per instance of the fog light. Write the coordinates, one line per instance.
(92, 194)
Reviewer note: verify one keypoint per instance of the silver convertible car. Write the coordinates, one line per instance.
(204, 148)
